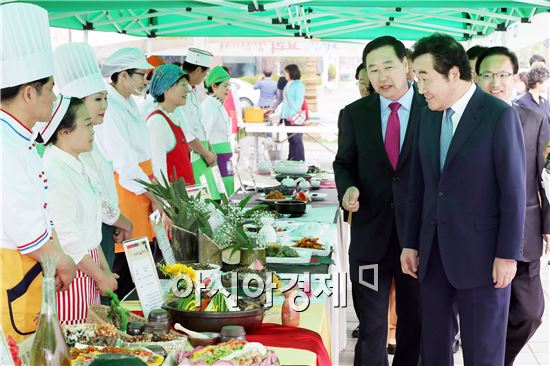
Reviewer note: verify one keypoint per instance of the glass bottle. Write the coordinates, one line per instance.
(289, 316)
(49, 347)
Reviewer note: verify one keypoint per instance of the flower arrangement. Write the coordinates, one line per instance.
(230, 234)
(174, 270)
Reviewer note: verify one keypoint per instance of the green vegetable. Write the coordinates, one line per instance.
(281, 251)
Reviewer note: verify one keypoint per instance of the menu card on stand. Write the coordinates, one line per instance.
(144, 274)
(162, 238)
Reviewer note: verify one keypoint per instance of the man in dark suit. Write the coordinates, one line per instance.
(372, 169)
(497, 68)
(466, 208)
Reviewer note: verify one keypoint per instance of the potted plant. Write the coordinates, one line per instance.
(189, 214)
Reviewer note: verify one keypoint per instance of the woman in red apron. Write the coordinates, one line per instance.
(74, 205)
(170, 152)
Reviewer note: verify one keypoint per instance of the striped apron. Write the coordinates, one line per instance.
(72, 305)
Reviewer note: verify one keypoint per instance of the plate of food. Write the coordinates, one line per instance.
(312, 245)
(231, 353)
(283, 254)
(272, 197)
(83, 356)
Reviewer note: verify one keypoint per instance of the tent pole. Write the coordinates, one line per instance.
(86, 36)
(149, 46)
(503, 39)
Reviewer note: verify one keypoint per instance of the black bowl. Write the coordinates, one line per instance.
(287, 191)
(213, 321)
(294, 207)
(280, 177)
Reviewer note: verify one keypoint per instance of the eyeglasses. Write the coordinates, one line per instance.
(364, 84)
(142, 74)
(498, 76)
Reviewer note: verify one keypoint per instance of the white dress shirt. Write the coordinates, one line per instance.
(123, 139)
(194, 122)
(25, 225)
(101, 173)
(216, 120)
(74, 203)
(546, 183)
(460, 106)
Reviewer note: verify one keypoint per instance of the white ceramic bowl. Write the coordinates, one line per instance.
(290, 167)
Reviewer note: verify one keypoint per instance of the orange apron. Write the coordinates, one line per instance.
(21, 291)
(136, 208)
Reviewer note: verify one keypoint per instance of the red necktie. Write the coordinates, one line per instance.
(393, 135)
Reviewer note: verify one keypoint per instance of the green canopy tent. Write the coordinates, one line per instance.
(320, 19)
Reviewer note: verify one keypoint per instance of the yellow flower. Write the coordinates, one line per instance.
(277, 282)
(174, 270)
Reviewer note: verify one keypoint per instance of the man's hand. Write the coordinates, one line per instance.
(65, 271)
(409, 262)
(350, 201)
(504, 271)
(546, 238)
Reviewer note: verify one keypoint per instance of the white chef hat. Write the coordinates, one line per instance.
(199, 57)
(76, 72)
(124, 59)
(47, 129)
(26, 52)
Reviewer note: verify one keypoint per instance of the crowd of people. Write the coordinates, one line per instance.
(77, 160)
(441, 165)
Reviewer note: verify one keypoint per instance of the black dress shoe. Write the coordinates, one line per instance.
(355, 333)
(391, 349)
(456, 345)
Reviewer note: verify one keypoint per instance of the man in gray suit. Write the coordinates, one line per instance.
(497, 67)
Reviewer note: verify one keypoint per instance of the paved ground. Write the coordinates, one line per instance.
(537, 352)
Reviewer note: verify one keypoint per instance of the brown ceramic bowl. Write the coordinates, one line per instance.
(213, 338)
(213, 321)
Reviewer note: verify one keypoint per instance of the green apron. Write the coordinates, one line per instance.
(224, 153)
(200, 168)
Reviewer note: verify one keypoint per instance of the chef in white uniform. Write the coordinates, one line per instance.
(77, 75)
(26, 96)
(196, 65)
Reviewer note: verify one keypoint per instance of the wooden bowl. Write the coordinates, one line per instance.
(213, 338)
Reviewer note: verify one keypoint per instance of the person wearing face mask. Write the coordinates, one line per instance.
(26, 97)
(77, 75)
(124, 139)
(75, 207)
(170, 150)
(218, 124)
(497, 67)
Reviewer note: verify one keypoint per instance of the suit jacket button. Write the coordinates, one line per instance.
(391, 204)
(396, 179)
(432, 223)
(440, 194)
